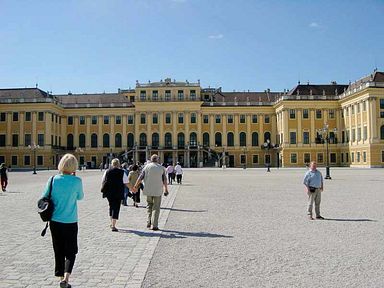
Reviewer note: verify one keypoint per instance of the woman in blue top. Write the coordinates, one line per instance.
(67, 189)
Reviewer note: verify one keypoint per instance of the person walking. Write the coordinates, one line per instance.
(67, 189)
(132, 178)
(170, 170)
(113, 182)
(313, 181)
(127, 193)
(155, 180)
(4, 177)
(179, 173)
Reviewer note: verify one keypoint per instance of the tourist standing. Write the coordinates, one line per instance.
(4, 177)
(179, 173)
(113, 183)
(313, 181)
(132, 178)
(155, 180)
(170, 170)
(67, 189)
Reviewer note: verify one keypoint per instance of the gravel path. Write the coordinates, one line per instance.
(248, 228)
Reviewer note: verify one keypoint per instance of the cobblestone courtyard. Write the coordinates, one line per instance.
(221, 228)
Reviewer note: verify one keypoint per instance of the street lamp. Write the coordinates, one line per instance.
(324, 133)
(79, 150)
(267, 145)
(245, 157)
(34, 147)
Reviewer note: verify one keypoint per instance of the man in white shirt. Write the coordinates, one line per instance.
(179, 173)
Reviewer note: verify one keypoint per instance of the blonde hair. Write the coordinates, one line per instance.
(115, 162)
(68, 163)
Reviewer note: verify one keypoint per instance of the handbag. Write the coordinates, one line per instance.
(45, 208)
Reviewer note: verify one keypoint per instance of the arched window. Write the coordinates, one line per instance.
(118, 142)
(94, 140)
(130, 140)
(206, 139)
(143, 139)
(193, 139)
(168, 140)
(82, 140)
(267, 136)
(382, 132)
(106, 140)
(255, 139)
(70, 141)
(218, 139)
(230, 139)
(180, 140)
(243, 139)
(155, 140)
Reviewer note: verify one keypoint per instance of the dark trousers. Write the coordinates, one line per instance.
(178, 177)
(64, 240)
(136, 196)
(170, 178)
(4, 183)
(114, 208)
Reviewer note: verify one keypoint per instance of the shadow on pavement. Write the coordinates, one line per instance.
(350, 220)
(185, 210)
(171, 234)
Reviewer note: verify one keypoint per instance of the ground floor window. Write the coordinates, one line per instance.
(342, 157)
(364, 156)
(243, 159)
(255, 159)
(347, 157)
(293, 158)
(40, 160)
(307, 158)
(320, 157)
(27, 160)
(2, 159)
(382, 156)
(14, 160)
(81, 160)
(353, 157)
(333, 157)
(267, 159)
(358, 157)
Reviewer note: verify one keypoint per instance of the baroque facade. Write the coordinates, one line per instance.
(181, 121)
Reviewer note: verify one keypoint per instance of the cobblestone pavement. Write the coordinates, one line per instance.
(248, 228)
(105, 259)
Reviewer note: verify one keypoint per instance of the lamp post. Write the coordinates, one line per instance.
(79, 150)
(267, 145)
(245, 157)
(324, 133)
(34, 147)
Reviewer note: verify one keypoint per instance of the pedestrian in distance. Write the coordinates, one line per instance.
(155, 182)
(67, 189)
(170, 171)
(4, 177)
(313, 181)
(127, 193)
(113, 182)
(179, 173)
(132, 178)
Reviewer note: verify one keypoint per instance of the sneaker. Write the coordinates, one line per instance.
(114, 229)
(320, 217)
(64, 284)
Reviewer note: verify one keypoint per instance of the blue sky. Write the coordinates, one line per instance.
(86, 46)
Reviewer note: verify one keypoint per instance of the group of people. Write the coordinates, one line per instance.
(174, 172)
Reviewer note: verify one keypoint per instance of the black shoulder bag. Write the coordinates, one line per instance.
(45, 208)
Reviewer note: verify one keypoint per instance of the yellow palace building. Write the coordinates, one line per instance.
(198, 127)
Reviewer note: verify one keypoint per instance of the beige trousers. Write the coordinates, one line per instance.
(153, 208)
(314, 197)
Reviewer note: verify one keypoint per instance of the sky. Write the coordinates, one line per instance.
(88, 46)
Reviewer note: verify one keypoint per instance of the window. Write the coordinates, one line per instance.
(168, 140)
(365, 133)
(305, 137)
(364, 156)
(243, 139)
(358, 134)
(320, 158)
(70, 141)
(266, 119)
(206, 139)
(267, 136)
(193, 139)
(307, 158)
(40, 139)
(255, 159)
(142, 118)
(180, 140)
(358, 107)
(15, 140)
(81, 160)
(382, 156)
(106, 140)
(15, 116)
(353, 157)
(342, 157)
(14, 160)
(342, 136)
(168, 118)
(28, 116)
(230, 139)
(255, 139)
(305, 114)
(230, 119)
(254, 118)
(242, 118)
(353, 135)
(382, 103)
(381, 114)
(3, 116)
(331, 114)
(347, 157)
(94, 120)
(218, 119)
(40, 116)
(155, 119)
(118, 141)
(267, 159)
(358, 157)
(292, 137)
(293, 158)
(40, 160)
(347, 136)
(27, 139)
(193, 118)
(82, 120)
(82, 140)
(143, 139)
(94, 140)
(181, 118)
(205, 119)
(70, 120)
(155, 95)
(130, 119)
(106, 120)
(118, 120)
(333, 157)
(180, 95)
(243, 159)
(318, 114)
(193, 94)
(218, 142)
(292, 114)
(27, 160)
(143, 95)
(155, 140)
(167, 95)
(382, 132)
(130, 140)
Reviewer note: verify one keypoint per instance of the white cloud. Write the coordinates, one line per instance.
(216, 36)
(314, 25)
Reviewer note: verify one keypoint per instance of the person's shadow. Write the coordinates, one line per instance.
(350, 220)
(172, 234)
